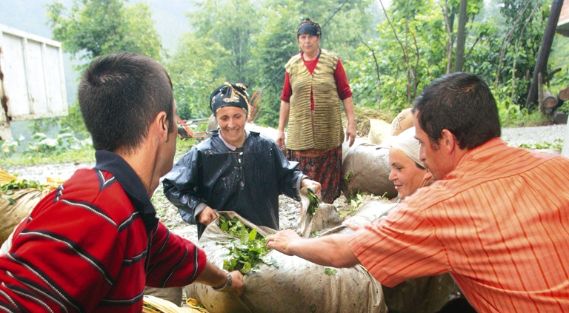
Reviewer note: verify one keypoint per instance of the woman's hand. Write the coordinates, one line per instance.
(351, 133)
(311, 184)
(281, 140)
(207, 216)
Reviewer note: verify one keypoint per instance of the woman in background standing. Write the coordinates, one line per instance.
(315, 84)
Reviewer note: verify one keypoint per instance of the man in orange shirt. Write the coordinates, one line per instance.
(496, 219)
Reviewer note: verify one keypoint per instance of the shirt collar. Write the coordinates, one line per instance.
(130, 182)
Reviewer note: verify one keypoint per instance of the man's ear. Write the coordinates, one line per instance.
(448, 140)
(161, 122)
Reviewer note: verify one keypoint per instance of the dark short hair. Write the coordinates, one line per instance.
(461, 103)
(120, 95)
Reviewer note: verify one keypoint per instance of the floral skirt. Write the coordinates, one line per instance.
(323, 166)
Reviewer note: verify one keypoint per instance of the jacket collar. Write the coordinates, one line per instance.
(130, 182)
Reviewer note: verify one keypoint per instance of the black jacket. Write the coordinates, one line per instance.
(247, 180)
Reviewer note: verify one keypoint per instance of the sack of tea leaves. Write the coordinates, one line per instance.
(282, 283)
(15, 205)
(366, 169)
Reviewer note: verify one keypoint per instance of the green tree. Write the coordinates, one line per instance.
(195, 70)
(92, 28)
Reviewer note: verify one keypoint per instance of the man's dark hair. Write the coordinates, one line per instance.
(119, 96)
(461, 103)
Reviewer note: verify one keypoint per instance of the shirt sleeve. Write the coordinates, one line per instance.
(288, 174)
(287, 90)
(174, 261)
(181, 185)
(400, 246)
(342, 84)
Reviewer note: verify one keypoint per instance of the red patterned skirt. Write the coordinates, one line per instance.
(323, 166)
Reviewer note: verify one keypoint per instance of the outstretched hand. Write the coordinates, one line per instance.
(283, 241)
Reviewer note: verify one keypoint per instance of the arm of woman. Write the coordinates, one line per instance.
(179, 186)
(351, 129)
(283, 121)
(345, 93)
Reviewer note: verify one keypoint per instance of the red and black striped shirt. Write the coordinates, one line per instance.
(92, 245)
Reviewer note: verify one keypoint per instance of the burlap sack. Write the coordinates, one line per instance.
(379, 131)
(366, 169)
(289, 284)
(402, 121)
(15, 206)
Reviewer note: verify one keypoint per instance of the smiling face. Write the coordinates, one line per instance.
(231, 121)
(309, 44)
(405, 175)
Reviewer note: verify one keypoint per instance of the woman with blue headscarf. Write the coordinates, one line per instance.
(234, 170)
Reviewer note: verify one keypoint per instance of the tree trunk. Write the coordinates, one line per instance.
(543, 54)
(460, 37)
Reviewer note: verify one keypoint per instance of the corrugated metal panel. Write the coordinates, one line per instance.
(33, 75)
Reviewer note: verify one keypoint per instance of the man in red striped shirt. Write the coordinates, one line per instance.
(496, 219)
(95, 242)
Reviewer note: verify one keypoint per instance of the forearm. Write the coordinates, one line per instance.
(349, 109)
(283, 115)
(212, 275)
(333, 250)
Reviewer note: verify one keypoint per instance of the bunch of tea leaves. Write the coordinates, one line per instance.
(18, 184)
(313, 202)
(246, 252)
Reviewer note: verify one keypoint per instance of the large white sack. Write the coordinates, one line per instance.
(289, 284)
(366, 169)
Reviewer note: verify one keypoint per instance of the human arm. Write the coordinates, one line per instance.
(333, 250)
(181, 187)
(283, 121)
(345, 93)
(175, 261)
(351, 128)
(284, 110)
(217, 278)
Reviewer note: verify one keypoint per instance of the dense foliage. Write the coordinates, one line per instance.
(390, 52)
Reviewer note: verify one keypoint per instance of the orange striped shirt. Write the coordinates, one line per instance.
(499, 223)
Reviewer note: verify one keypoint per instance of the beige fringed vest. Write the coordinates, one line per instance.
(322, 128)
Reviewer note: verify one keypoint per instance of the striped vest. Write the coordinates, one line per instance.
(322, 128)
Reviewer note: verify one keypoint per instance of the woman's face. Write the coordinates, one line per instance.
(405, 174)
(231, 121)
(309, 44)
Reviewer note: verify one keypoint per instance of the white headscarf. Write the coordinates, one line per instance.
(407, 143)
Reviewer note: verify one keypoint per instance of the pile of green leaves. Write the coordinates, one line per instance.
(313, 202)
(246, 252)
(18, 184)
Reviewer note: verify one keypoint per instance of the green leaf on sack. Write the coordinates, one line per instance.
(330, 271)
